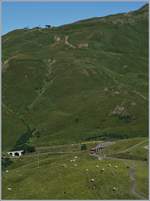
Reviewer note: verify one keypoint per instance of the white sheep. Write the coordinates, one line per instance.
(92, 180)
(102, 170)
(114, 188)
(97, 166)
(76, 157)
(116, 166)
(9, 189)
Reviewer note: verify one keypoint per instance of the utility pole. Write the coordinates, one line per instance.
(38, 159)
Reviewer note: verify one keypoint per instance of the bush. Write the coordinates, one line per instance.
(24, 138)
(27, 148)
(5, 163)
(76, 120)
(48, 26)
(30, 148)
(23, 142)
(25, 28)
(83, 147)
(125, 118)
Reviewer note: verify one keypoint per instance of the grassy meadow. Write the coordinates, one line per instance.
(48, 174)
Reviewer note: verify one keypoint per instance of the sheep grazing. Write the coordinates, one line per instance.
(116, 166)
(76, 157)
(106, 89)
(73, 160)
(6, 170)
(9, 189)
(92, 180)
(114, 188)
(102, 170)
(97, 166)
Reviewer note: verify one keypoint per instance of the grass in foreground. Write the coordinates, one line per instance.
(56, 177)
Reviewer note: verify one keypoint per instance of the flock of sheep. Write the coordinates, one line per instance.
(92, 180)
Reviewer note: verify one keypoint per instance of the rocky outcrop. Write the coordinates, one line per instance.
(82, 45)
(68, 43)
(58, 40)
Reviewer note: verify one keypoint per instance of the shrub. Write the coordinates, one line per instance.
(48, 26)
(5, 163)
(27, 148)
(83, 147)
(76, 120)
(23, 142)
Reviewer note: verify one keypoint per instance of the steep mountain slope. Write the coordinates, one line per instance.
(80, 81)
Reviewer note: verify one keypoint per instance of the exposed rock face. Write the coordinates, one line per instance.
(68, 43)
(83, 45)
(122, 113)
(118, 110)
(57, 39)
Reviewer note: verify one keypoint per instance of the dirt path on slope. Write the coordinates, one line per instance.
(68, 43)
(46, 84)
(132, 171)
(132, 177)
(133, 182)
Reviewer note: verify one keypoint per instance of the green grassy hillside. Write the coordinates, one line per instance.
(83, 81)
